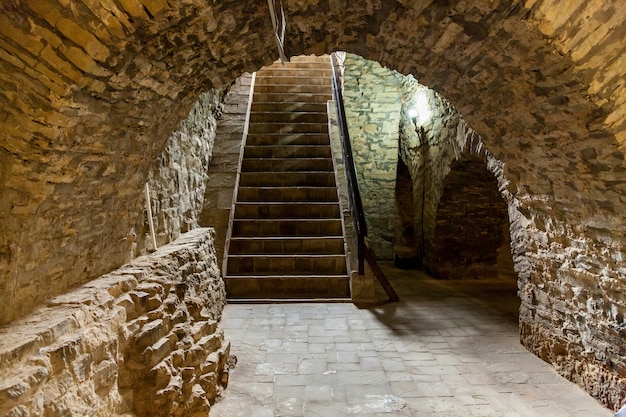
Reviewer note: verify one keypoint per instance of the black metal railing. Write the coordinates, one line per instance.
(356, 205)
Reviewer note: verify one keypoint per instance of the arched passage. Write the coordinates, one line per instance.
(471, 232)
(92, 90)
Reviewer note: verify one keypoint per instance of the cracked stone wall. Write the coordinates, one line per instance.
(90, 92)
(143, 339)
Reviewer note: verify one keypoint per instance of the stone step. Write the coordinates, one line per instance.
(288, 117)
(299, 65)
(287, 179)
(286, 164)
(287, 194)
(287, 288)
(287, 238)
(290, 88)
(287, 151)
(289, 107)
(279, 79)
(291, 264)
(309, 58)
(286, 227)
(285, 244)
(297, 72)
(274, 210)
(288, 97)
(256, 139)
(278, 127)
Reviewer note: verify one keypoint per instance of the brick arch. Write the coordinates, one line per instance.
(91, 90)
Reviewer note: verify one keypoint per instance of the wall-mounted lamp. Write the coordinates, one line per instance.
(421, 110)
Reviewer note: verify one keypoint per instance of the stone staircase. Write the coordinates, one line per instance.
(287, 240)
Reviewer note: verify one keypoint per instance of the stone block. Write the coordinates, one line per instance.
(149, 334)
(209, 384)
(63, 67)
(104, 376)
(140, 300)
(86, 40)
(159, 350)
(211, 364)
(125, 301)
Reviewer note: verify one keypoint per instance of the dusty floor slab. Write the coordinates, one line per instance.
(447, 348)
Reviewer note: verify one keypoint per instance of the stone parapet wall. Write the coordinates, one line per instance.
(142, 340)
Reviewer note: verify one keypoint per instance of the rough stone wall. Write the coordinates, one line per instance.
(373, 115)
(222, 175)
(91, 90)
(178, 180)
(142, 340)
(546, 283)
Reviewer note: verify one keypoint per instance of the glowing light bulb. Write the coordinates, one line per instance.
(421, 111)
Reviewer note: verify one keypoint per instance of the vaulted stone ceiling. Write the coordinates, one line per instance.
(91, 89)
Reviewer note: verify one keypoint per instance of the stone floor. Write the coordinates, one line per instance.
(446, 349)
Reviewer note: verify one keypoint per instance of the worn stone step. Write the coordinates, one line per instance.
(312, 64)
(294, 88)
(286, 164)
(286, 227)
(272, 210)
(318, 72)
(275, 96)
(310, 245)
(287, 287)
(287, 179)
(287, 151)
(290, 264)
(284, 79)
(265, 127)
(288, 117)
(256, 139)
(309, 58)
(289, 107)
(287, 194)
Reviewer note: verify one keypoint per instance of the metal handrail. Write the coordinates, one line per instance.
(356, 205)
(279, 23)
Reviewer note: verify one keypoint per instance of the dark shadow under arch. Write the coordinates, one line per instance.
(471, 232)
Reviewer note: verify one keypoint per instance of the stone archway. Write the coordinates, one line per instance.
(471, 226)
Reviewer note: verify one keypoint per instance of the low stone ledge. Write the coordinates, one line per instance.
(142, 340)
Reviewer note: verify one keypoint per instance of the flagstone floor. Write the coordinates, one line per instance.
(447, 348)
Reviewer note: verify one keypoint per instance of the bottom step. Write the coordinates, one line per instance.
(295, 287)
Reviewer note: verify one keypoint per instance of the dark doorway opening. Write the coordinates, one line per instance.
(471, 237)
